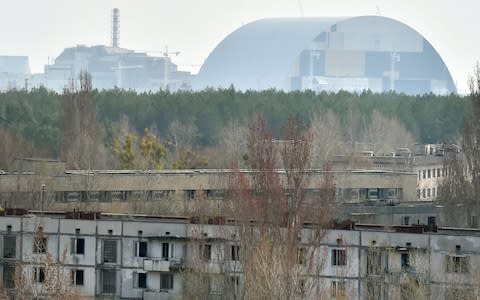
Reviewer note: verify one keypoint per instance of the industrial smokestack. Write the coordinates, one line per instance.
(115, 27)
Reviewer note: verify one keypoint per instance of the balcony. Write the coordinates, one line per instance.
(157, 294)
(161, 264)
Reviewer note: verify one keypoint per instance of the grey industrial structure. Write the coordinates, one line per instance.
(327, 54)
(112, 67)
(321, 54)
(14, 70)
(138, 257)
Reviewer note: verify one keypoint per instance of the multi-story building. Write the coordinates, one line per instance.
(38, 183)
(427, 161)
(115, 256)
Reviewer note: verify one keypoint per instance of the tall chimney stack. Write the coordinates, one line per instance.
(115, 27)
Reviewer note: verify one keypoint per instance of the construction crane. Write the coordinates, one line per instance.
(166, 55)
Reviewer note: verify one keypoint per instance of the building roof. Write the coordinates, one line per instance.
(260, 54)
(265, 54)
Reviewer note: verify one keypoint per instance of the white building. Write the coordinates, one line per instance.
(136, 257)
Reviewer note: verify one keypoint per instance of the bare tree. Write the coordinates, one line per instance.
(386, 134)
(183, 136)
(233, 139)
(43, 276)
(278, 253)
(461, 186)
(81, 135)
(327, 136)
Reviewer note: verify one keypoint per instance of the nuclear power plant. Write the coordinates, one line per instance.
(327, 54)
(319, 54)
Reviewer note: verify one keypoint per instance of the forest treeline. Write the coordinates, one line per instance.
(32, 121)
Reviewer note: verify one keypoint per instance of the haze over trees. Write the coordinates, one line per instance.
(199, 126)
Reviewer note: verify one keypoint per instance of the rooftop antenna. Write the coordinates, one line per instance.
(115, 27)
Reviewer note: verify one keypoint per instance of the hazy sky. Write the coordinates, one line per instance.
(41, 29)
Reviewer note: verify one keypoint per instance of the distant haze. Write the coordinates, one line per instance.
(42, 29)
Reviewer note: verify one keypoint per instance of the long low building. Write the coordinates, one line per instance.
(115, 256)
(43, 183)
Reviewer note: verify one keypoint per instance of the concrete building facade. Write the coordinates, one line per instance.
(137, 257)
(40, 181)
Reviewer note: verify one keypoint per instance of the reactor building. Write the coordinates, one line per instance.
(327, 54)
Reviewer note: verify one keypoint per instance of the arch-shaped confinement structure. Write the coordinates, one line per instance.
(332, 54)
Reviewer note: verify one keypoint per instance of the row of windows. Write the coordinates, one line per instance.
(432, 173)
(427, 193)
(76, 275)
(159, 195)
(109, 279)
(454, 263)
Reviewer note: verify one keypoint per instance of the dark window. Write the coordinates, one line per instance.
(457, 264)
(109, 282)
(166, 281)
(9, 246)
(142, 280)
(78, 246)
(235, 281)
(405, 257)
(301, 258)
(428, 173)
(424, 173)
(431, 220)
(438, 172)
(141, 249)
(235, 252)
(8, 275)
(406, 220)
(38, 274)
(109, 251)
(77, 277)
(165, 250)
(339, 257)
(190, 194)
(206, 252)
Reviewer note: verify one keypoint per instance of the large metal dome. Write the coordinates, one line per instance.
(345, 53)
